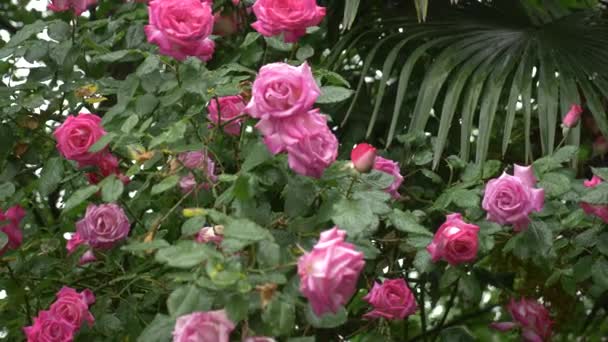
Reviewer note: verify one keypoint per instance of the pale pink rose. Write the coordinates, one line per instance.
(391, 300)
(282, 132)
(363, 157)
(48, 327)
(210, 234)
(78, 6)
(259, 339)
(598, 210)
(573, 116)
(510, 199)
(107, 164)
(197, 160)
(281, 90)
(290, 17)
(600, 146)
(392, 168)
(455, 241)
(181, 28)
(531, 317)
(76, 135)
(103, 226)
(230, 108)
(329, 273)
(73, 307)
(210, 326)
(13, 215)
(312, 154)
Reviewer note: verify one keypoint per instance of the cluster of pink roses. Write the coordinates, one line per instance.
(64, 318)
(288, 17)
(78, 6)
(13, 215)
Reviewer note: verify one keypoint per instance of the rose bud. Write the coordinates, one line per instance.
(363, 157)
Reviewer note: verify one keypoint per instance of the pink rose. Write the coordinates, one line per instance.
(510, 199)
(281, 90)
(76, 135)
(181, 28)
(312, 154)
(73, 307)
(78, 6)
(391, 300)
(231, 107)
(363, 157)
(107, 164)
(598, 210)
(290, 17)
(103, 226)
(280, 133)
(210, 326)
(87, 258)
(197, 160)
(531, 317)
(392, 168)
(455, 241)
(329, 273)
(573, 116)
(210, 234)
(259, 339)
(13, 215)
(48, 327)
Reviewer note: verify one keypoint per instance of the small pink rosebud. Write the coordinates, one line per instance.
(363, 157)
(573, 116)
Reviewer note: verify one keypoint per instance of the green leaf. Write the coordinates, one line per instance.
(354, 216)
(129, 124)
(407, 223)
(378, 179)
(149, 65)
(146, 104)
(243, 229)
(565, 154)
(145, 246)
(80, 196)
(599, 273)
(237, 307)
(456, 334)
(185, 254)
(278, 44)
(256, 156)
(6, 190)
(334, 94)
(3, 239)
(465, 198)
(328, 320)
(112, 57)
(25, 33)
(554, 184)
(193, 225)
(188, 299)
(536, 241)
(51, 175)
(597, 194)
(280, 317)
(102, 142)
(602, 243)
(305, 52)
(111, 189)
(423, 157)
(299, 193)
(159, 330)
(59, 30)
(423, 262)
(166, 184)
(250, 38)
(269, 254)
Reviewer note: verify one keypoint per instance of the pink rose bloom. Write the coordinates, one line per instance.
(103, 226)
(197, 160)
(598, 210)
(73, 307)
(49, 328)
(107, 164)
(290, 17)
(510, 199)
(391, 300)
(392, 168)
(259, 339)
(281, 90)
(210, 234)
(455, 241)
(13, 215)
(363, 157)
(76, 135)
(230, 108)
(210, 326)
(78, 6)
(280, 133)
(531, 317)
(573, 116)
(312, 154)
(329, 273)
(181, 28)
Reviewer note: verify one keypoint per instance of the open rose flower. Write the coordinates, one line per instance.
(392, 168)
(210, 326)
(531, 317)
(598, 210)
(73, 307)
(311, 155)
(281, 90)
(76, 135)
(197, 160)
(280, 133)
(78, 6)
(48, 327)
(510, 199)
(11, 229)
(181, 28)
(455, 241)
(103, 226)
(230, 108)
(391, 300)
(363, 157)
(573, 116)
(290, 17)
(329, 273)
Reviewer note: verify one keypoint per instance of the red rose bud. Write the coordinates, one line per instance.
(571, 119)
(363, 157)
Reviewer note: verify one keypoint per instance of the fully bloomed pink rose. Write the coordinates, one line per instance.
(531, 317)
(392, 168)
(13, 215)
(103, 226)
(197, 160)
(329, 273)
(76, 135)
(455, 241)
(73, 307)
(48, 327)
(283, 132)
(78, 6)
(210, 326)
(312, 154)
(363, 157)
(181, 28)
(290, 17)
(391, 300)
(281, 90)
(598, 210)
(573, 116)
(230, 107)
(510, 199)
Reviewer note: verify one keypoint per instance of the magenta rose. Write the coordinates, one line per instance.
(281, 90)
(230, 107)
(180, 28)
(78, 6)
(531, 317)
(103, 226)
(210, 234)
(73, 307)
(598, 210)
(280, 133)
(290, 17)
(329, 273)
(210, 326)
(76, 135)
(107, 164)
(312, 154)
(391, 300)
(510, 199)
(455, 241)
(197, 160)
(363, 157)
(48, 327)
(392, 168)
(13, 215)
(573, 116)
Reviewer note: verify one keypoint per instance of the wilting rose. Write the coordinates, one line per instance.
(197, 160)
(363, 157)
(49, 328)
(573, 116)
(210, 326)
(282, 132)
(73, 307)
(531, 317)
(210, 234)
(598, 210)
(76, 135)
(392, 168)
(455, 241)
(78, 6)
(392, 299)
(290, 17)
(510, 199)
(311, 155)
(13, 215)
(230, 108)
(329, 273)
(181, 28)
(281, 90)
(103, 226)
